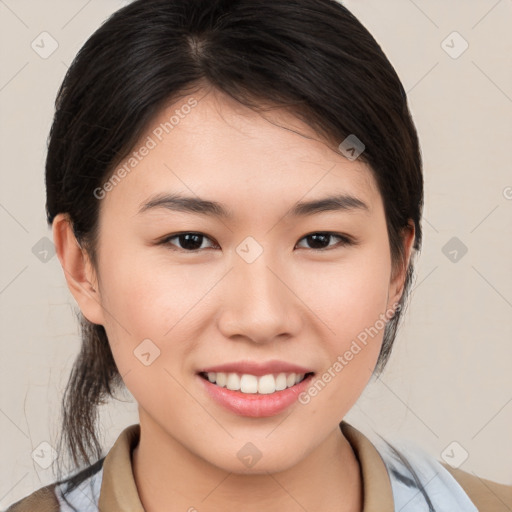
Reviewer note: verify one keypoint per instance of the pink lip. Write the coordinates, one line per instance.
(255, 405)
(257, 369)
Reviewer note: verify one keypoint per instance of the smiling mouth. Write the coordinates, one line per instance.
(252, 384)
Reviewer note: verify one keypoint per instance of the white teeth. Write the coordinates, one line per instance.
(233, 382)
(247, 383)
(281, 382)
(221, 379)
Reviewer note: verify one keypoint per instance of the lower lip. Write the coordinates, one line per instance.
(255, 405)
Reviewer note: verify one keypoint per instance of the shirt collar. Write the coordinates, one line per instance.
(377, 491)
(119, 492)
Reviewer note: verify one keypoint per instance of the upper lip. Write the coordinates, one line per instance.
(257, 369)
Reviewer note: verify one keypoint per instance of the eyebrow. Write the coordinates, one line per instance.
(180, 203)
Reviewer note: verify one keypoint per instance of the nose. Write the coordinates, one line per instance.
(259, 302)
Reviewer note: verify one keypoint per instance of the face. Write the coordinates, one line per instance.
(262, 283)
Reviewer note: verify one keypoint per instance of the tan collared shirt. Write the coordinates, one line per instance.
(388, 486)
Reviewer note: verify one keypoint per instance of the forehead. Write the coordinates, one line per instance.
(209, 145)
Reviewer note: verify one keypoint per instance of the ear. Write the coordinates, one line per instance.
(78, 270)
(397, 282)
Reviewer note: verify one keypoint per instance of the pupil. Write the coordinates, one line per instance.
(187, 241)
(315, 238)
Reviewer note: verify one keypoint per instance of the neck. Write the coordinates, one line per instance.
(166, 472)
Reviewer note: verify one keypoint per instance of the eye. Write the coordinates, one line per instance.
(190, 242)
(193, 242)
(320, 240)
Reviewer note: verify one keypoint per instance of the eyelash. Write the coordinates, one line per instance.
(344, 241)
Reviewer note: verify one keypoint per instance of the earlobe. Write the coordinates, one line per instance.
(396, 286)
(78, 270)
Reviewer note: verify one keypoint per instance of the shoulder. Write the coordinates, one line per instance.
(486, 495)
(79, 492)
(421, 482)
(42, 500)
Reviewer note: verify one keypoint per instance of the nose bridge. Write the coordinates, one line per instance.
(259, 306)
(258, 281)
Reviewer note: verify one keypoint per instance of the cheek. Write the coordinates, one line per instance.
(347, 296)
(145, 293)
(352, 304)
(148, 298)
(352, 345)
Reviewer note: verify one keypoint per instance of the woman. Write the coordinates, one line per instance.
(235, 190)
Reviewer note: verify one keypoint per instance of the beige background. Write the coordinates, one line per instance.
(449, 378)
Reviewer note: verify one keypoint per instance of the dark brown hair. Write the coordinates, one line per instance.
(311, 57)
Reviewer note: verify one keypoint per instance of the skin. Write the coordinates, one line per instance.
(293, 303)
